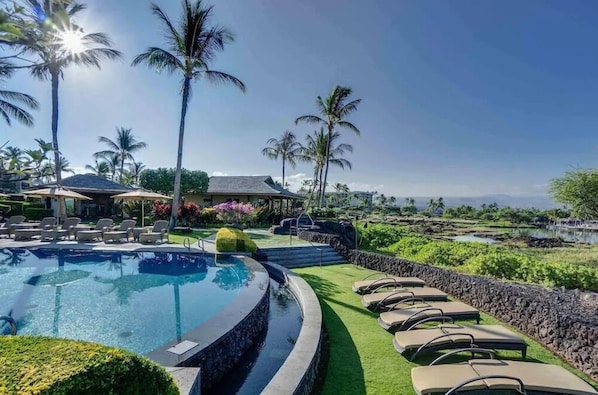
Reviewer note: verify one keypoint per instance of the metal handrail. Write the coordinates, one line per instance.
(297, 226)
(11, 322)
(187, 243)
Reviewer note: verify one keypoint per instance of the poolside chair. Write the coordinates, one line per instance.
(384, 300)
(66, 230)
(403, 316)
(124, 231)
(6, 228)
(101, 226)
(415, 342)
(156, 233)
(28, 234)
(369, 285)
(495, 375)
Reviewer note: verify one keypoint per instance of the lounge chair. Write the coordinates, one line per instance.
(490, 375)
(6, 228)
(124, 231)
(449, 336)
(101, 226)
(28, 234)
(385, 300)
(66, 230)
(369, 285)
(156, 233)
(403, 316)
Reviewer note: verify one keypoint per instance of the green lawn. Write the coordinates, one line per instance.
(362, 358)
(179, 237)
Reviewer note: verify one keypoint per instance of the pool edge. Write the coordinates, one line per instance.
(298, 373)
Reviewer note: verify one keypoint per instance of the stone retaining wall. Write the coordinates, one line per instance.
(563, 320)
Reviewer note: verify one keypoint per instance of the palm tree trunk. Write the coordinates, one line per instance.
(122, 167)
(283, 160)
(179, 157)
(57, 164)
(320, 190)
(57, 167)
(322, 197)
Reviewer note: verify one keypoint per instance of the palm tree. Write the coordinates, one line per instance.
(135, 169)
(333, 110)
(101, 169)
(315, 153)
(58, 42)
(123, 148)
(191, 50)
(14, 157)
(287, 148)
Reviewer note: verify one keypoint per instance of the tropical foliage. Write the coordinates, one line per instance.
(192, 46)
(287, 148)
(233, 212)
(477, 258)
(122, 148)
(579, 190)
(333, 112)
(162, 180)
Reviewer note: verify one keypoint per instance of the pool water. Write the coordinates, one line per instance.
(260, 363)
(135, 301)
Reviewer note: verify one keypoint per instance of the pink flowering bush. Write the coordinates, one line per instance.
(233, 212)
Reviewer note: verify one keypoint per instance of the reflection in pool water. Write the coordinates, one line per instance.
(135, 301)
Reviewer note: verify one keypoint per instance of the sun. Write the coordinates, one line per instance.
(72, 41)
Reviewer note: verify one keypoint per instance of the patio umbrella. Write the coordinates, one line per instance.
(58, 193)
(143, 195)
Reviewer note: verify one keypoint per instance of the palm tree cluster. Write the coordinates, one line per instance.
(34, 165)
(111, 162)
(45, 35)
(322, 148)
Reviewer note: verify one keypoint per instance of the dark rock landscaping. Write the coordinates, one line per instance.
(565, 321)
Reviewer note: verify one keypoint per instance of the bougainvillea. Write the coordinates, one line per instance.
(233, 212)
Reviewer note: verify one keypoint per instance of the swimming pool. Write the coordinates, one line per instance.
(136, 301)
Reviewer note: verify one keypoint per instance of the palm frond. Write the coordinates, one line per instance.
(348, 108)
(159, 59)
(19, 97)
(9, 111)
(309, 119)
(171, 33)
(93, 56)
(218, 77)
(96, 38)
(350, 126)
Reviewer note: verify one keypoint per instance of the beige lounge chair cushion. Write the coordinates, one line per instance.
(441, 378)
(398, 295)
(389, 281)
(535, 376)
(397, 317)
(413, 339)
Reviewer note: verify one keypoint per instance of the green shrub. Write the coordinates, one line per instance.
(41, 365)
(234, 240)
(4, 209)
(377, 236)
(408, 246)
(208, 216)
(16, 207)
(35, 214)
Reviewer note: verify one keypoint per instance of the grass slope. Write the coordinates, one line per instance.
(362, 358)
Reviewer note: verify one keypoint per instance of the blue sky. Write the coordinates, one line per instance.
(460, 98)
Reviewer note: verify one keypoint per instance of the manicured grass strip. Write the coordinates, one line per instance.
(362, 357)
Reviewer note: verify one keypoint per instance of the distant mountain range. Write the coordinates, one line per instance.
(540, 201)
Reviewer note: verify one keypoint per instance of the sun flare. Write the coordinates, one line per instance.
(72, 41)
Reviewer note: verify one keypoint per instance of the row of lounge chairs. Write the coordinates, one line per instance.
(408, 311)
(104, 230)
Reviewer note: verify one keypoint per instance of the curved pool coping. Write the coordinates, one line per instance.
(298, 373)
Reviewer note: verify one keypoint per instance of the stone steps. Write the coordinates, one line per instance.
(301, 256)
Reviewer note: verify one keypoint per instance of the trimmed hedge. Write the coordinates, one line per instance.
(43, 365)
(234, 240)
(35, 213)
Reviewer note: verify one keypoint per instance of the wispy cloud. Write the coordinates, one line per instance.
(219, 174)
